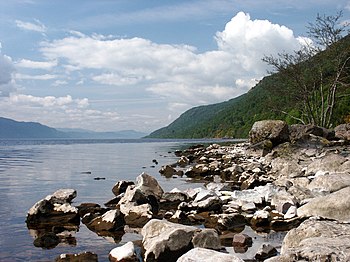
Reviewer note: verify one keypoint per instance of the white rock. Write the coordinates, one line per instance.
(126, 251)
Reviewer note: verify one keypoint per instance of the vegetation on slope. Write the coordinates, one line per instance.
(271, 98)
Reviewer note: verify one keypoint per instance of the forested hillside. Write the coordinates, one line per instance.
(271, 98)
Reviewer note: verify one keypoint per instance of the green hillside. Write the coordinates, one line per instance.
(235, 117)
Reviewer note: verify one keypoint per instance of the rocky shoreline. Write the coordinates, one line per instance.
(286, 178)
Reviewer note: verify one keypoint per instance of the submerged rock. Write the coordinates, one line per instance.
(81, 257)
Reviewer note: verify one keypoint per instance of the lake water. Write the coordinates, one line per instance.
(33, 169)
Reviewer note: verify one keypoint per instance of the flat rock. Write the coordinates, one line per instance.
(317, 240)
(330, 163)
(329, 182)
(207, 255)
(334, 206)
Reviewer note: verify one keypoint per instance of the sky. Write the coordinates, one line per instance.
(109, 65)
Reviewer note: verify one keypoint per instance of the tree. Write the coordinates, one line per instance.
(318, 73)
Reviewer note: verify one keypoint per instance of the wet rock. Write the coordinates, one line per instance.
(166, 241)
(136, 215)
(47, 241)
(242, 240)
(334, 206)
(274, 130)
(261, 218)
(149, 186)
(112, 220)
(230, 221)
(168, 171)
(317, 240)
(85, 256)
(85, 208)
(183, 161)
(125, 253)
(121, 186)
(207, 255)
(53, 210)
(265, 251)
(207, 238)
(342, 131)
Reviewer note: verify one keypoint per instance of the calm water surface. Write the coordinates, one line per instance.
(30, 170)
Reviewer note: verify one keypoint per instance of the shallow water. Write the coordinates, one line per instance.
(33, 169)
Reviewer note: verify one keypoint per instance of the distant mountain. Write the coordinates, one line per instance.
(11, 129)
(88, 134)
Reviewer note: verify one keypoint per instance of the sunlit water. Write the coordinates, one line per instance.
(31, 170)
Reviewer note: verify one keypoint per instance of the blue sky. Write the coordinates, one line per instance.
(133, 64)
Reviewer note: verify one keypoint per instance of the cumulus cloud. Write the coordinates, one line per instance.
(7, 83)
(36, 26)
(178, 72)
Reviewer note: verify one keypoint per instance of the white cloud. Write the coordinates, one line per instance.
(59, 83)
(19, 76)
(37, 26)
(178, 72)
(46, 65)
(7, 83)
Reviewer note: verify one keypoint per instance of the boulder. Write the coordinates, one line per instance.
(301, 133)
(168, 171)
(183, 161)
(112, 220)
(136, 215)
(274, 130)
(166, 241)
(330, 163)
(241, 240)
(343, 131)
(54, 209)
(207, 255)
(265, 251)
(125, 253)
(317, 240)
(207, 238)
(121, 186)
(171, 200)
(85, 256)
(334, 206)
(261, 218)
(329, 182)
(230, 221)
(149, 186)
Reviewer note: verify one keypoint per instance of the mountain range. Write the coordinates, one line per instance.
(11, 129)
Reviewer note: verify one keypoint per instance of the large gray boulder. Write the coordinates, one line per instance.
(343, 131)
(316, 240)
(54, 210)
(274, 130)
(207, 255)
(166, 241)
(330, 163)
(333, 206)
(329, 182)
(149, 186)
